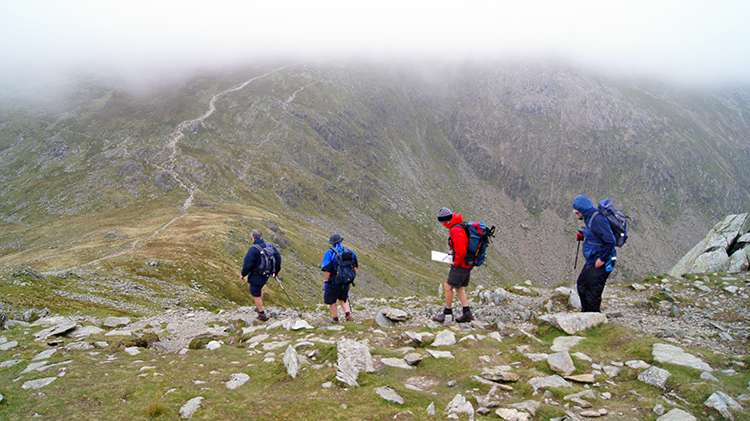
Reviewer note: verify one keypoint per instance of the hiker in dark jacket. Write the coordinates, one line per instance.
(334, 291)
(460, 272)
(599, 251)
(256, 280)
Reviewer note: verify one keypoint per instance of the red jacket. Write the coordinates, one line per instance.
(458, 241)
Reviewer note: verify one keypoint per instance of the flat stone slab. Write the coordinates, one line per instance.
(44, 354)
(572, 323)
(38, 383)
(389, 394)
(665, 353)
(445, 338)
(564, 343)
(499, 375)
(116, 321)
(8, 346)
(395, 314)
(439, 354)
(187, 410)
(554, 381)
(582, 378)
(236, 380)
(56, 330)
(132, 350)
(51, 321)
(302, 324)
(677, 415)
(86, 331)
(397, 363)
(9, 363)
(655, 376)
(118, 333)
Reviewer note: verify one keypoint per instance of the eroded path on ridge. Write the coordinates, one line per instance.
(170, 168)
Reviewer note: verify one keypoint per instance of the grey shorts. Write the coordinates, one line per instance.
(458, 277)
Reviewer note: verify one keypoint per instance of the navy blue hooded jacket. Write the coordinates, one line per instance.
(599, 240)
(251, 262)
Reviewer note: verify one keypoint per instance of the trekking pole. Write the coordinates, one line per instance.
(573, 284)
(287, 295)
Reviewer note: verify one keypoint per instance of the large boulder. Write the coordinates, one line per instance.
(725, 249)
(572, 323)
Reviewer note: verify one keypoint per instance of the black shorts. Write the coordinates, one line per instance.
(334, 291)
(256, 290)
(458, 277)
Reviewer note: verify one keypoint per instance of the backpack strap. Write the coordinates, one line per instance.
(462, 225)
(588, 226)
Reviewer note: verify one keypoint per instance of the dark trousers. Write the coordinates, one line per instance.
(591, 286)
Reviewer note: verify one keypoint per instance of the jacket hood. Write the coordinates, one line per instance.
(584, 205)
(457, 219)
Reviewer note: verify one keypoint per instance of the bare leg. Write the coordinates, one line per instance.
(462, 297)
(448, 295)
(334, 310)
(345, 306)
(259, 302)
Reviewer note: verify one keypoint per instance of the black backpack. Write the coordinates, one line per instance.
(617, 220)
(345, 266)
(267, 260)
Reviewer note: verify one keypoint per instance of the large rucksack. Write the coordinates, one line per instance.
(345, 264)
(617, 220)
(479, 237)
(266, 261)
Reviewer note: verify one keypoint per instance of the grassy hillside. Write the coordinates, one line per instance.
(106, 180)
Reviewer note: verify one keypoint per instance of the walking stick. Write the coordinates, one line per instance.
(574, 302)
(287, 295)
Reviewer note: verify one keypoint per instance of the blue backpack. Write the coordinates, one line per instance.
(617, 220)
(345, 266)
(479, 237)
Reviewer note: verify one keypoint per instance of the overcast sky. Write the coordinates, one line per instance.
(685, 41)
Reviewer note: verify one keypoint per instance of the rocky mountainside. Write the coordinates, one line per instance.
(666, 349)
(101, 181)
(126, 216)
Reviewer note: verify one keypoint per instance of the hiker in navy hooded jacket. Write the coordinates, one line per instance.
(599, 251)
(256, 280)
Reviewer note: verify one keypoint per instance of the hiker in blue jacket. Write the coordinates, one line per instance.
(599, 251)
(257, 280)
(335, 291)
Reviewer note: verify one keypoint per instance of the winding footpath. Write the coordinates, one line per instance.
(170, 167)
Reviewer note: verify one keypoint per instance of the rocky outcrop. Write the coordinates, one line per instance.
(726, 248)
(405, 363)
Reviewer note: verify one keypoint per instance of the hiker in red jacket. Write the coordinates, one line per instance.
(458, 277)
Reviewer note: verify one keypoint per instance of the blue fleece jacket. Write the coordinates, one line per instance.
(599, 240)
(329, 260)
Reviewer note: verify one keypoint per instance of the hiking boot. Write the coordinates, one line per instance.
(465, 318)
(334, 320)
(350, 318)
(262, 317)
(440, 318)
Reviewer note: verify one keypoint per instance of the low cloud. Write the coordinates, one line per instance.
(690, 42)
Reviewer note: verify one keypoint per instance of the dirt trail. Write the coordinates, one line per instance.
(169, 167)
